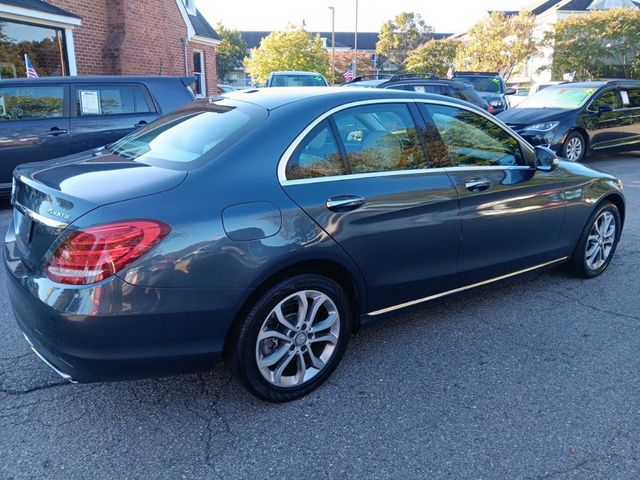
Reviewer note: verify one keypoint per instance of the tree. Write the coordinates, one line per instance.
(401, 35)
(499, 43)
(344, 59)
(230, 52)
(287, 50)
(435, 56)
(602, 43)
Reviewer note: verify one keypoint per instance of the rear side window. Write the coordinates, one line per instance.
(29, 103)
(632, 97)
(187, 137)
(380, 138)
(112, 100)
(317, 156)
(609, 97)
(473, 140)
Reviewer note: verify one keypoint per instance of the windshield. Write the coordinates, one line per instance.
(298, 81)
(187, 135)
(483, 84)
(566, 98)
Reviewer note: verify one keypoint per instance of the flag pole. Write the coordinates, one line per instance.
(26, 65)
(355, 45)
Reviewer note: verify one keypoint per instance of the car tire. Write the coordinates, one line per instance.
(597, 243)
(574, 147)
(272, 338)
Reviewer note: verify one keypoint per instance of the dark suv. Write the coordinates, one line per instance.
(425, 83)
(46, 118)
(490, 86)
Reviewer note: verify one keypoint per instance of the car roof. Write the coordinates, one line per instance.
(272, 98)
(294, 72)
(418, 81)
(89, 79)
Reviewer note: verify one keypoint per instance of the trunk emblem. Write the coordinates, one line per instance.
(58, 214)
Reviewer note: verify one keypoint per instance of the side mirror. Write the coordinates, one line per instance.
(606, 108)
(546, 159)
(510, 91)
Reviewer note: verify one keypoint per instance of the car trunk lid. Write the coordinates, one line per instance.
(49, 196)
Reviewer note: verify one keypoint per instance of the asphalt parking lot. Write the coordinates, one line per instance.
(536, 379)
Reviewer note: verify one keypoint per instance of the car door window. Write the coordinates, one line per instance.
(609, 97)
(473, 140)
(633, 95)
(112, 100)
(380, 138)
(27, 103)
(317, 156)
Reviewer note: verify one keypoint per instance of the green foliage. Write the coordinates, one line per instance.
(435, 56)
(230, 52)
(287, 50)
(398, 37)
(344, 59)
(499, 43)
(601, 43)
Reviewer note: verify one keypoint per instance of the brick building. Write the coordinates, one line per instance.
(108, 37)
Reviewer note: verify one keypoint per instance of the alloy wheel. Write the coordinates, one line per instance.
(600, 241)
(574, 149)
(298, 338)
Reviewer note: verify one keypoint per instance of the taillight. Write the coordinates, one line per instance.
(490, 109)
(91, 255)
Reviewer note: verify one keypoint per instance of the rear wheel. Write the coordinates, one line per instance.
(598, 242)
(292, 338)
(574, 147)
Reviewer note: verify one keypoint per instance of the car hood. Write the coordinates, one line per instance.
(529, 116)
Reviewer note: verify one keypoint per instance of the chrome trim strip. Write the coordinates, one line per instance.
(49, 222)
(284, 159)
(462, 289)
(65, 376)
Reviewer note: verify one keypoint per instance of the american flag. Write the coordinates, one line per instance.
(31, 71)
(348, 75)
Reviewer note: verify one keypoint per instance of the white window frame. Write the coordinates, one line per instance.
(203, 73)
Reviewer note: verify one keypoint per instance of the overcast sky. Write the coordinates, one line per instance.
(449, 16)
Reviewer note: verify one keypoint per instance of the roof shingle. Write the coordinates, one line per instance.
(39, 6)
(202, 27)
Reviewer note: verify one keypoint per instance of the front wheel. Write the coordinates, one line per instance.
(292, 338)
(574, 147)
(598, 242)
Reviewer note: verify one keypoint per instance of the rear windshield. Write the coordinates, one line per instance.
(192, 135)
(483, 84)
(298, 81)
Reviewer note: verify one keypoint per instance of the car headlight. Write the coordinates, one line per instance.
(542, 127)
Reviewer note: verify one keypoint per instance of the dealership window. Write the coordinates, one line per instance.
(45, 47)
(198, 72)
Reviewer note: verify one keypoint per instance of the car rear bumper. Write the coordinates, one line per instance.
(117, 331)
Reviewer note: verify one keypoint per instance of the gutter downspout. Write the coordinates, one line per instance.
(185, 45)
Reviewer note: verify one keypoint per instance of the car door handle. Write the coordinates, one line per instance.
(344, 203)
(55, 131)
(477, 184)
(140, 124)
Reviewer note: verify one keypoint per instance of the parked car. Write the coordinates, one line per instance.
(296, 79)
(574, 119)
(425, 83)
(518, 97)
(226, 88)
(51, 117)
(269, 225)
(490, 86)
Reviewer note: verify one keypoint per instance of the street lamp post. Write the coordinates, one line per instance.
(333, 44)
(355, 45)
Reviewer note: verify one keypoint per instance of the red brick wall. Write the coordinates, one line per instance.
(134, 37)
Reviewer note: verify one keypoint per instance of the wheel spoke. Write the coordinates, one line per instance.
(592, 251)
(281, 318)
(303, 307)
(302, 368)
(317, 303)
(274, 358)
(326, 337)
(315, 361)
(324, 324)
(277, 374)
(273, 334)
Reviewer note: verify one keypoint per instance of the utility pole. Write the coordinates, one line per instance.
(333, 44)
(355, 60)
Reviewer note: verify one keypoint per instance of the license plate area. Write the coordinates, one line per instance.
(24, 228)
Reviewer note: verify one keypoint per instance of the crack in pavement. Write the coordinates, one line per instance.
(10, 391)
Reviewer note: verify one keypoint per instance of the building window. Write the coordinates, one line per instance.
(198, 72)
(45, 47)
